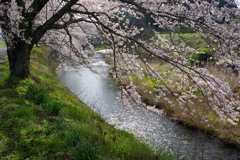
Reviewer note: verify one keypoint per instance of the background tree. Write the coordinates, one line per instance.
(57, 22)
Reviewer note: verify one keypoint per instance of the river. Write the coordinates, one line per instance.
(100, 92)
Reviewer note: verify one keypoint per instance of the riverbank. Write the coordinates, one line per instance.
(40, 119)
(147, 87)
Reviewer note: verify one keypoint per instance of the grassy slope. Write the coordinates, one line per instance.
(30, 130)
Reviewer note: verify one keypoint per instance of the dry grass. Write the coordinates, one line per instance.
(215, 126)
(221, 74)
(224, 130)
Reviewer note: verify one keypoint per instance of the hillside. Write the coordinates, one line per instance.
(40, 119)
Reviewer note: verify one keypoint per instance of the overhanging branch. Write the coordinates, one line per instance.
(41, 30)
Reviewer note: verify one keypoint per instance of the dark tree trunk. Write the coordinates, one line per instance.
(18, 49)
(19, 60)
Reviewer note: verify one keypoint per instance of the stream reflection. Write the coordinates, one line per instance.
(100, 93)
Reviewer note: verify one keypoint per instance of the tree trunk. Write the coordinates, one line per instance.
(19, 60)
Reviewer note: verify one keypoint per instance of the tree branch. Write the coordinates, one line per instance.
(21, 3)
(41, 30)
(62, 26)
(36, 7)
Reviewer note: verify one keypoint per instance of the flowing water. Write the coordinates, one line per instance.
(100, 92)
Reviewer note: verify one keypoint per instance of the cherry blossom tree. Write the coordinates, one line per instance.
(62, 24)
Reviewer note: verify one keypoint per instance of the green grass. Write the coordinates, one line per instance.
(40, 119)
(2, 44)
(102, 47)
